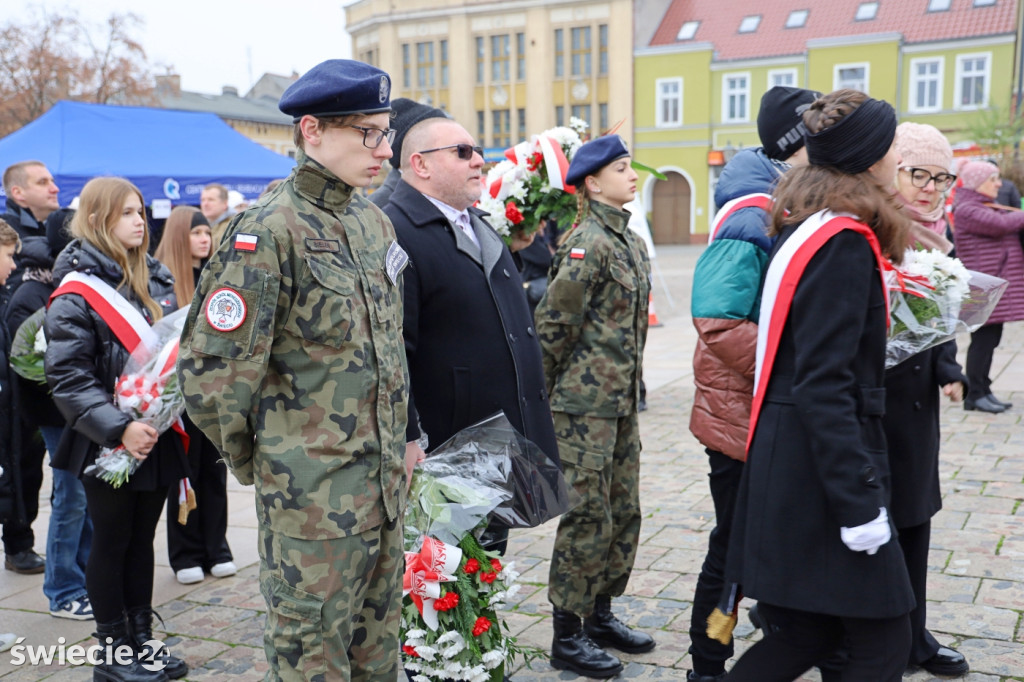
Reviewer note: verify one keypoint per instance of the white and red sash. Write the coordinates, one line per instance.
(761, 201)
(124, 320)
(781, 280)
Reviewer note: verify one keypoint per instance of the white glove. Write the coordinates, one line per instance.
(870, 536)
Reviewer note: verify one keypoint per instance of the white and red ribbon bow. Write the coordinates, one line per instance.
(435, 563)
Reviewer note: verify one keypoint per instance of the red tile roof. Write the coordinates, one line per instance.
(720, 21)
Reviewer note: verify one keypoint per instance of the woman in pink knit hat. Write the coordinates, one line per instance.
(988, 240)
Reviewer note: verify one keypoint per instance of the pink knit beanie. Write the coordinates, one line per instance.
(921, 144)
(973, 173)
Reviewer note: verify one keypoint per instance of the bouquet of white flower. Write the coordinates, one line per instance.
(28, 348)
(932, 298)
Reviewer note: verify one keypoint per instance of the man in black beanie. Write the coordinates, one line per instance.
(407, 114)
(725, 307)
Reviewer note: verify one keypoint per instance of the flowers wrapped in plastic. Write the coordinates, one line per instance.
(454, 587)
(529, 186)
(28, 348)
(148, 391)
(932, 298)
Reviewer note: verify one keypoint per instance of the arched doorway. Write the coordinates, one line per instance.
(670, 210)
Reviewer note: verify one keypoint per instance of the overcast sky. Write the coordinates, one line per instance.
(212, 43)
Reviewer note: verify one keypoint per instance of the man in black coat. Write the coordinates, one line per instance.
(31, 198)
(469, 335)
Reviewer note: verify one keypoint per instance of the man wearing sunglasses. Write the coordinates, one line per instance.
(293, 365)
(469, 336)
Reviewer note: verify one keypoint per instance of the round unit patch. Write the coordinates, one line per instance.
(225, 310)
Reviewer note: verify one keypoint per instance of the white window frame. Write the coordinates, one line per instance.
(958, 83)
(772, 73)
(852, 65)
(688, 30)
(912, 104)
(869, 10)
(660, 99)
(939, 5)
(749, 23)
(801, 14)
(745, 115)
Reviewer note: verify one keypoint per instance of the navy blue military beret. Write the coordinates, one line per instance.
(338, 87)
(593, 156)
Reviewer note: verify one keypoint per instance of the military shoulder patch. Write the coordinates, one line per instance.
(577, 253)
(246, 242)
(225, 310)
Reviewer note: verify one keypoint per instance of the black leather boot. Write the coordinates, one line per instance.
(608, 631)
(140, 623)
(114, 639)
(572, 649)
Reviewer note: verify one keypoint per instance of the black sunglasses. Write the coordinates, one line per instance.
(378, 136)
(920, 178)
(465, 151)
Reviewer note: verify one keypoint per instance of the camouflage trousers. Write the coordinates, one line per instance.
(333, 606)
(596, 541)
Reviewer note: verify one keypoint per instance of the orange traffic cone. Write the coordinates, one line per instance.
(652, 317)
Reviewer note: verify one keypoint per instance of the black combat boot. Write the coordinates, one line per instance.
(114, 640)
(608, 631)
(140, 623)
(572, 649)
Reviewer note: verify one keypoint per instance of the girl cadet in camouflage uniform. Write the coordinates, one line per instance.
(592, 324)
(292, 363)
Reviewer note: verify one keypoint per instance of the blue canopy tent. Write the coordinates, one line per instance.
(167, 154)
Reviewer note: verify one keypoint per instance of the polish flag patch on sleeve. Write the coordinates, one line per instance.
(577, 253)
(246, 242)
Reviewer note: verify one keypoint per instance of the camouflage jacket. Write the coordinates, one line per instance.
(592, 321)
(292, 360)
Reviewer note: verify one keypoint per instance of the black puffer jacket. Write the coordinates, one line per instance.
(83, 361)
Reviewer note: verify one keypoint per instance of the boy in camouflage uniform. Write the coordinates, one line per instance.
(292, 363)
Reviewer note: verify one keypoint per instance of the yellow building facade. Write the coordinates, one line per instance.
(504, 70)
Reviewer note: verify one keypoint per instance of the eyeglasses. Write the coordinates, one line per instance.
(919, 177)
(372, 142)
(465, 151)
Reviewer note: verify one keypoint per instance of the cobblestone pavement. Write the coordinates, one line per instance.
(976, 581)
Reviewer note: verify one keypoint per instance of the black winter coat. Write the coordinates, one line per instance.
(11, 507)
(469, 335)
(27, 227)
(818, 459)
(83, 362)
(912, 398)
(37, 406)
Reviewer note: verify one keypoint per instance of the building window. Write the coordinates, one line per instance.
(480, 132)
(582, 111)
(499, 128)
(480, 56)
(581, 51)
(925, 85)
(852, 76)
(688, 30)
(425, 65)
(797, 18)
(521, 56)
(602, 117)
(669, 104)
(499, 58)
(444, 63)
(406, 66)
(736, 98)
(602, 50)
(750, 23)
(559, 53)
(559, 115)
(866, 11)
(972, 80)
(785, 77)
(939, 5)
(984, 3)
(521, 124)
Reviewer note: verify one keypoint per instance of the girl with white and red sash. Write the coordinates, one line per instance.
(812, 540)
(111, 291)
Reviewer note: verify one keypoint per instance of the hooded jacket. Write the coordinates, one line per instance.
(725, 306)
(84, 360)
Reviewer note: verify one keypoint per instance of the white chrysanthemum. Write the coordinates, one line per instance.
(512, 591)
(453, 668)
(479, 674)
(578, 125)
(415, 634)
(497, 217)
(448, 637)
(421, 678)
(412, 666)
(427, 653)
(492, 659)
